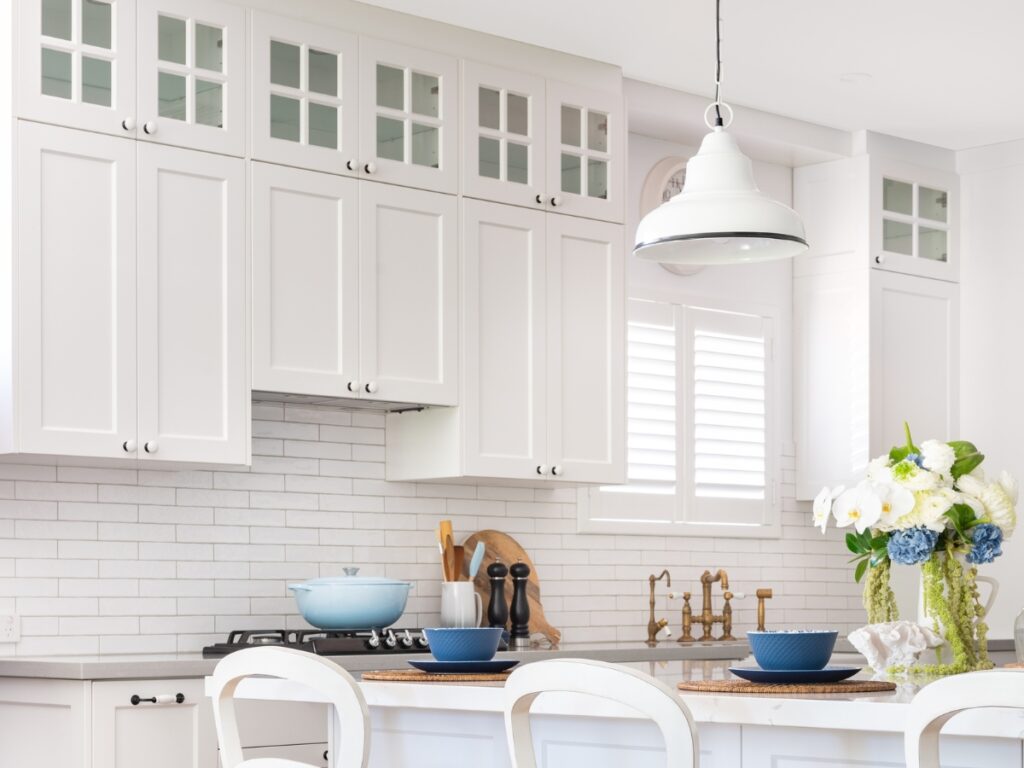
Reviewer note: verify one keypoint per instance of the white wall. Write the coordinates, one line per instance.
(992, 336)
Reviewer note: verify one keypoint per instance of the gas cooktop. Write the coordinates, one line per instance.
(359, 641)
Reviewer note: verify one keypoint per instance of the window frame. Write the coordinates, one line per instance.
(650, 509)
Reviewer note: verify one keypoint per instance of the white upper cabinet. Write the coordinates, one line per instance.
(408, 116)
(305, 276)
(408, 295)
(76, 292)
(503, 135)
(191, 74)
(193, 372)
(76, 63)
(586, 152)
(304, 94)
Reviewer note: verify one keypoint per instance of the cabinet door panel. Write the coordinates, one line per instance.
(586, 350)
(305, 281)
(154, 735)
(193, 381)
(191, 74)
(503, 129)
(408, 115)
(504, 340)
(76, 63)
(408, 281)
(304, 94)
(76, 292)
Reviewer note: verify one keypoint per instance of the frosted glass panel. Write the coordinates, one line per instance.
(209, 103)
(171, 39)
(284, 118)
(931, 244)
(323, 72)
(571, 118)
(597, 179)
(390, 139)
(323, 126)
(897, 237)
(96, 24)
(209, 48)
(56, 19)
(571, 173)
(390, 88)
(932, 204)
(518, 114)
(284, 64)
(426, 93)
(518, 163)
(490, 158)
(489, 109)
(597, 131)
(96, 81)
(897, 196)
(56, 73)
(425, 143)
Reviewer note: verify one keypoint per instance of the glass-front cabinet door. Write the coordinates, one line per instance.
(585, 152)
(914, 221)
(77, 63)
(191, 74)
(303, 94)
(408, 116)
(503, 135)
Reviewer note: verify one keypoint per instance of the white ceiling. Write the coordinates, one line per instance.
(944, 72)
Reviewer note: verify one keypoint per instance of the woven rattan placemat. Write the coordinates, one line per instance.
(742, 686)
(416, 676)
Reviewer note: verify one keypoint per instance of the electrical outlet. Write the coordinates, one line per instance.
(10, 629)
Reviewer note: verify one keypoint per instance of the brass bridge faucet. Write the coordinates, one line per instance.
(707, 618)
(654, 626)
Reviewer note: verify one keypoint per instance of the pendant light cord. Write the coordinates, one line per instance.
(718, 64)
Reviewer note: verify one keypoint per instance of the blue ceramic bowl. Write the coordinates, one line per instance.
(469, 644)
(799, 650)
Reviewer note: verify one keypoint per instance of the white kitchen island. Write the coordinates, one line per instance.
(430, 725)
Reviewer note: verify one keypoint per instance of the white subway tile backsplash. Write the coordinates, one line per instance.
(154, 560)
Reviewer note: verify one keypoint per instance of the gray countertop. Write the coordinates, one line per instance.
(155, 666)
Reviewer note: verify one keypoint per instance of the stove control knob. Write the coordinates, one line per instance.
(390, 640)
(405, 639)
(374, 640)
(421, 641)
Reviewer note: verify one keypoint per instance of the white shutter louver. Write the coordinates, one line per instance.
(651, 407)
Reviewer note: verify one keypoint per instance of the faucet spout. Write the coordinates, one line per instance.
(654, 626)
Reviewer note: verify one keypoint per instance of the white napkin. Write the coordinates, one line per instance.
(894, 643)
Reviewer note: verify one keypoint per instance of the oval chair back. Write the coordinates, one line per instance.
(937, 702)
(315, 672)
(612, 682)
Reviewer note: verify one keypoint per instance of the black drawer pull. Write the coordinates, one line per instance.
(178, 698)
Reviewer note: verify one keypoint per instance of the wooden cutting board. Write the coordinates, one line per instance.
(501, 546)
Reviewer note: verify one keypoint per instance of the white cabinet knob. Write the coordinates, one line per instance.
(128, 123)
(556, 201)
(352, 386)
(149, 127)
(130, 446)
(352, 164)
(556, 470)
(151, 446)
(370, 167)
(540, 199)
(371, 387)
(542, 469)
(879, 259)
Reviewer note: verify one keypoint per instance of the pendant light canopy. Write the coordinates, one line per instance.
(720, 216)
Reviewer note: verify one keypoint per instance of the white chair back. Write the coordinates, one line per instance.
(937, 702)
(634, 689)
(353, 747)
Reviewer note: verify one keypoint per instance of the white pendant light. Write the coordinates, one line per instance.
(720, 216)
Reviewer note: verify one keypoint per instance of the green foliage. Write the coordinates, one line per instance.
(869, 551)
(899, 453)
(962, 517)
(879, 599)
(968, 458)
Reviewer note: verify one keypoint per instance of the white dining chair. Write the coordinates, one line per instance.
(337, 686)
(640, 692)
(937, 702)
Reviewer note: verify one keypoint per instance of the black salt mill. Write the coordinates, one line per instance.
(520, 610)
(497, 608)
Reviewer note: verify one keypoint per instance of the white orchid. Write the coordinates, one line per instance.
(860, 507)
(823, 505)
(879, 471)
(897, 502)
(938, 457)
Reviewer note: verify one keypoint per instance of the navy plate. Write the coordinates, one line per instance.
(826, 675)
(465, 667)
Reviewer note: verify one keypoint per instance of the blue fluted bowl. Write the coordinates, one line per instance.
(467, 644)
(799, 650)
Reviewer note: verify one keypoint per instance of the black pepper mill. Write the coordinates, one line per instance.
(497, 608)
(520, 610)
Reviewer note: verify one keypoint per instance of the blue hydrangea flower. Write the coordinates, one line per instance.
(917, 458)
(912, 546)
(987, 540)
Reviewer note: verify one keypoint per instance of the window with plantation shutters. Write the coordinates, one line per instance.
(699, 425)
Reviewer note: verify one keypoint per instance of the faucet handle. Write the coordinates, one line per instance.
(665, 630)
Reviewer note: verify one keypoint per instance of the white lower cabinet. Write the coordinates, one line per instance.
(542, 356)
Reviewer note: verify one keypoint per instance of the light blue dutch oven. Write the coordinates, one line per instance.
(350, 601)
